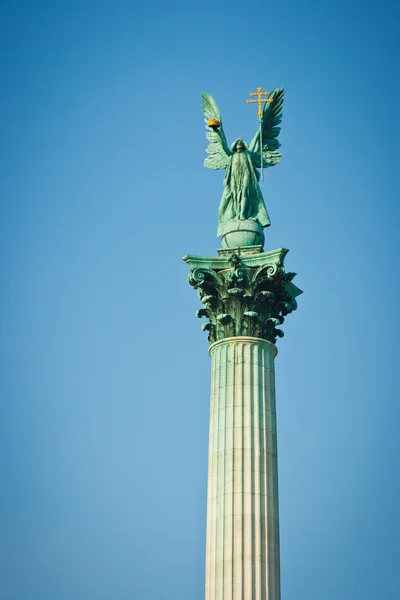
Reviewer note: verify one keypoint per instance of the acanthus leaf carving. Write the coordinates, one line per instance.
(244, 299)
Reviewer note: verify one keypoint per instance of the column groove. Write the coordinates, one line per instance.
(242, 551)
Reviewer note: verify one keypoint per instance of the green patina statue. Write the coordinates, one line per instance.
(242, 198)
(245, 292)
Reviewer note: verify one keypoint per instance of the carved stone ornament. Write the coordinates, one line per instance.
(243, 295)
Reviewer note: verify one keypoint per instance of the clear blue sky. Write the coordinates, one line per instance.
(104, 369)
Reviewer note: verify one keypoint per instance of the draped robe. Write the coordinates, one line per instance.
(242, 198)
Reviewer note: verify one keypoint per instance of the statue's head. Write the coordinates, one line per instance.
(239, 145)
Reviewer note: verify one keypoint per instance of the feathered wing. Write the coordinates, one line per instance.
(217, 149)
(272, 116)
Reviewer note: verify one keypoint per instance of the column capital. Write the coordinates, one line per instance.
(244, 292)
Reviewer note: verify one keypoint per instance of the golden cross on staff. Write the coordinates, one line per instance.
(259, 93)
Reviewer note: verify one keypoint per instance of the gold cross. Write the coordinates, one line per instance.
(259, 93)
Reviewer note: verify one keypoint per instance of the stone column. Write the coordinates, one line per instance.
(242, 556)
(245, 294)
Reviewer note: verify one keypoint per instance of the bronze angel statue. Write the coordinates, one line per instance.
(242, 198)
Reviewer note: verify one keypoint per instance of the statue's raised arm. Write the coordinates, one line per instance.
(242, 200)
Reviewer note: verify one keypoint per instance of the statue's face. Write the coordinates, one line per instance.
(239, 146)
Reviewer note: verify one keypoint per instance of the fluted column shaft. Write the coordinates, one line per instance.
(242, 550)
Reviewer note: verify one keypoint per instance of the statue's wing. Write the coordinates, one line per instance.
(272, 116)
(217, 149)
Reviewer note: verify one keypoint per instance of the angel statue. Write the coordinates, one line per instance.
(242, 198)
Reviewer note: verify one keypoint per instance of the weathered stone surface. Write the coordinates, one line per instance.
(246, 295)
(242, 548)
(243, 293)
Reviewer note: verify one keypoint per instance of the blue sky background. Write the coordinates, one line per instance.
(104, 370)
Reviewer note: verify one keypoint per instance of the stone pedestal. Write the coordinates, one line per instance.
(242, 556)
(246, 295)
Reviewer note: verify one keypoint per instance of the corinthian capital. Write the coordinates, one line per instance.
(243, 295)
